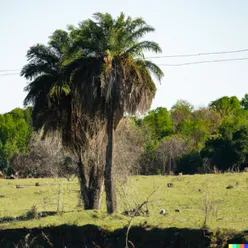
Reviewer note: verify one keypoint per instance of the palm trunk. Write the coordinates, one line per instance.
(90, 195)
(108, 174)
(83, 185)
(95, 188)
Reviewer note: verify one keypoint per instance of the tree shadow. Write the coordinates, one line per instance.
(7, 219)
(91, 236)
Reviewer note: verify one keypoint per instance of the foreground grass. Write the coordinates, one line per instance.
(223, 208)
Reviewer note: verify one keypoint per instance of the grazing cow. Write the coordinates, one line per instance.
(11, 176)
(162, 211)
(19, 186)
(170, 185)
(229, 187)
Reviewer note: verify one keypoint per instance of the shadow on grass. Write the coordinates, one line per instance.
(7, 219)
(92, 236)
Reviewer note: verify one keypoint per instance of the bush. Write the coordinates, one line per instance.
(32, 213)
(189, 163)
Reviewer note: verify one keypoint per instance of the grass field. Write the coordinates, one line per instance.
(223, 208)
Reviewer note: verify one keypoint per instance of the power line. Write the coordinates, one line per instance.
(197, 54)
(176, 56)
(9, 74)
(10, 70)
(171, 56)
(204, 62)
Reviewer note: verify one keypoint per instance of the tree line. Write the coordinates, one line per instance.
(190, 140)
(182, 139)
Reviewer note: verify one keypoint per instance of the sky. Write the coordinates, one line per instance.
(182, 27)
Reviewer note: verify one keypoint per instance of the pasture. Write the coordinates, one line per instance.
(193, 200)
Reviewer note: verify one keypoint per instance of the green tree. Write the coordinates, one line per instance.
(102, 75)
(159, 122)
(15, 132)
(230, 146)
(195, 132)
(209, 115)
(226, 106)
(182, 110)
(57, 105)
(244, 102)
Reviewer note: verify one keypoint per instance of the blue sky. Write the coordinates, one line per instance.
(182, 27)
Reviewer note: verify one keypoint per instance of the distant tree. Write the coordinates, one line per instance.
(44, 157)
(130, 144)
(226, 106)
(244, 102)
(209, 115)
(195, 132)
(169, 151)
(15, 132)
(229, 148)
(182, 110)
(159, 123)
(189, 163)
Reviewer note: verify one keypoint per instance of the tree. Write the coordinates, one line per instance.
(190, 163)
(195, 132)
(169, 152)
(101, 74)
(182, 110)
(226, 106)
(111, 52)
(159, 122)
(230, 146)
(211, 116)
(15, 132)
(57, 107)
(244, 102)
(43, 158)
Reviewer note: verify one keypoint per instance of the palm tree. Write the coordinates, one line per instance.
(109, 71)
(56, 106)
(96, 71)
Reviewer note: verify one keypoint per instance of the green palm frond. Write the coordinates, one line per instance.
(41, 53)
(40, 86)
(32, 70)
(140, 33)
(140, 47)
(58, 90)
(42, 60)
(153, 68)
(59, 42)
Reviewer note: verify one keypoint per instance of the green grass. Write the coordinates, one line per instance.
(228, 208)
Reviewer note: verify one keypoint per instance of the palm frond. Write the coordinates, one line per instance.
(41, 53)
(153, 68)
(40, 86)
(59, 42)
(42, 60)
(32, 70)
(140, 33)
(140, 47)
